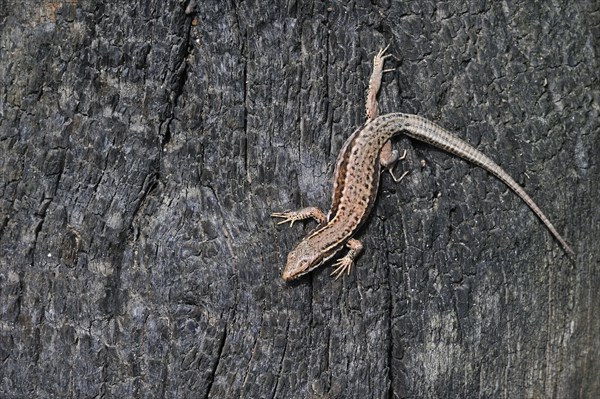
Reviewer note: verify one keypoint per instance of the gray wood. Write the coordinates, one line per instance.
(144, 145)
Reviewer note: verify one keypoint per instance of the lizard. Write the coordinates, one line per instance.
(356, 179)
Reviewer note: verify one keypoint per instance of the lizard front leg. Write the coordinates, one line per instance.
(345, 263)
(302, 214)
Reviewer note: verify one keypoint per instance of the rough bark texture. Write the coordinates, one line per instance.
(145, 143)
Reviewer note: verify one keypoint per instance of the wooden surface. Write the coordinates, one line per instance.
(144, 145)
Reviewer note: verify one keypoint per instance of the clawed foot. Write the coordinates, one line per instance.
(290, 216)
(378, 61)
(345, 263)
(380, 55)
(389, 159)
(380, 58)
(391, 169)
(341, 266)
(397, 179)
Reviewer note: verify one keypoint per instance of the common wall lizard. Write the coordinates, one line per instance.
(356, 180)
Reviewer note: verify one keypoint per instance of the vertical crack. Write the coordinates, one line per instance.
(213, 372)
(245, 118)
(179, 80)
(280, 368)
(390, 349)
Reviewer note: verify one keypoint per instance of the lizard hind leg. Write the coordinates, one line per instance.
(388, 158)
(371, 106)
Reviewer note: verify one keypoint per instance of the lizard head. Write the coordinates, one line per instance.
(301, 260)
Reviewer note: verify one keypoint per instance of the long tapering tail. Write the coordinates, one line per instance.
(426, 131)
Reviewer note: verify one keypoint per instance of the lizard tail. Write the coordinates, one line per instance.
(426, 131)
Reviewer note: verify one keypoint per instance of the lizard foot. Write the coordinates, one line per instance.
(341, 266)
(305, 213)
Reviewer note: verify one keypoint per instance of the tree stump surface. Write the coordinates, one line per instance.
(145, 144)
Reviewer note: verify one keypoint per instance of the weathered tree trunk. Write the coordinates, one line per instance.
(144, 145)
